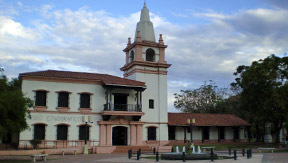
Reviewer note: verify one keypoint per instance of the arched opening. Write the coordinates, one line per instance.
(150, 55)
(119, 135)
(82, 132)
(151, 133)
(39, 131)
(132, 56)
(62, 132)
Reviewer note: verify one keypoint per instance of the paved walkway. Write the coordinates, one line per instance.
(114, 158)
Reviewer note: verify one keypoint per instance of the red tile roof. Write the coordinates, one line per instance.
(180, 119)
(104, 78)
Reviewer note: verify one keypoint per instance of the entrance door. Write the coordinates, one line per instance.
(119, 135)
(120, 102)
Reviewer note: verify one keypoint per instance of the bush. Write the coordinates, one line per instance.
(35, 143)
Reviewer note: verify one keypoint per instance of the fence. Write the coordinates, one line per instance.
(49, 144)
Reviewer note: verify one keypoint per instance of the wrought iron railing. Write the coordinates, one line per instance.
(123, 107)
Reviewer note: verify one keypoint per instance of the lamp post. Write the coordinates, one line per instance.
(191, 122)
(86, 132)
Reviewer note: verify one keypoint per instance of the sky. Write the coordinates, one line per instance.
(207, 39)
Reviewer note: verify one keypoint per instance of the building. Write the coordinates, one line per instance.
(107, 110)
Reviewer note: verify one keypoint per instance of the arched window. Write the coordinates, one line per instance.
(151, 133)
(150, 55)
(62, 132)
(132, 56)
(39, 131)
(82, 132)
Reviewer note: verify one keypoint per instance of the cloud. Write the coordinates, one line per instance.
(92, 41)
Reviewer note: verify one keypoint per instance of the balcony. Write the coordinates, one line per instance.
(122, 110)
(123, 107)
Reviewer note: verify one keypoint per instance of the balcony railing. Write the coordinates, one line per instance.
(123, 107)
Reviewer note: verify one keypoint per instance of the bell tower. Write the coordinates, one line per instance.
(145, 61)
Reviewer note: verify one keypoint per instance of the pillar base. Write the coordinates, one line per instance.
(85, 149)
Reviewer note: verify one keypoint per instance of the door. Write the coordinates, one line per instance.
(120, 102)
(119, 135)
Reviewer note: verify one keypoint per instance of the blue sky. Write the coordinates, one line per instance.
(206, 39)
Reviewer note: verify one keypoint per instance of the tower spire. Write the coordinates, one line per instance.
(145, 26)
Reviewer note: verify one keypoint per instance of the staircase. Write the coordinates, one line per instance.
(124, 149)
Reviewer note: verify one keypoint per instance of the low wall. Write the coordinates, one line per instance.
(38, 151)
(215, 141)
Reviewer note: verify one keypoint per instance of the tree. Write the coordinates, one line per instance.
(264, 90)
(13, 107)
(201, 100)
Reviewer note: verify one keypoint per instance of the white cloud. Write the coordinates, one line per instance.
(92, 41)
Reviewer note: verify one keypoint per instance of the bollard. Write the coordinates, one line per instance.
(229, 151)
(212, 153)
(184, 159)
(138, 155)
(250, 153)
(157, 156)
(235, 155)
(154, 151)
(139, 152)
(129, 153)
(243, 152)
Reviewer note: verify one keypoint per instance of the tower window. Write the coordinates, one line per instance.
(132, 56)
(151, 104)
(150, 55)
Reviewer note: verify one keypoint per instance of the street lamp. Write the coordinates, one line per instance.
(86, 132)
(191, 124)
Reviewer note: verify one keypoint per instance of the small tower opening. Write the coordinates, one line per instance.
(132, 56)
(150, 55)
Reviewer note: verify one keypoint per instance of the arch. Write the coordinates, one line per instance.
(131, 56)
(150, 55)
(151, 126)
(64, 124)
(40, 123)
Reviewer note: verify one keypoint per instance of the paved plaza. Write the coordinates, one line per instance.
(111, 158)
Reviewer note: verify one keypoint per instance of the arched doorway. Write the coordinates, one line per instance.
(119, 135)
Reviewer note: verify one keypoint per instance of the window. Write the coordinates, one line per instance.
(40, 99)
(151, 133)
(150, 55)
(236, 133)
(82, 132)
(205, 133)
(132, 56)
(62, 132)
(221, 132)
(151, 104)
(39, 132)
(171, 132)
(63, 99)
(84, 100)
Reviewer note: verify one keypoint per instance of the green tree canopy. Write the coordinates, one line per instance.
(264, 90)
(13, 106)
(200, 100)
